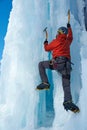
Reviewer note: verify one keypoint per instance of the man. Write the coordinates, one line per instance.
(60, 48)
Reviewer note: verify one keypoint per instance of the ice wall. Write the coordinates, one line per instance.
(19, 73)
(21, 106)
(20, 103)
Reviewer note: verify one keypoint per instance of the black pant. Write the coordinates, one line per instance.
(57, 65)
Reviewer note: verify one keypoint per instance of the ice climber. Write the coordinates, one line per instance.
(61, 62)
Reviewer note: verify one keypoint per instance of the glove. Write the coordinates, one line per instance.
(45, 41)
(68, 25)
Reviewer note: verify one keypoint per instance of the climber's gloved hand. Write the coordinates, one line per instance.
(68, 25)
(46, 41)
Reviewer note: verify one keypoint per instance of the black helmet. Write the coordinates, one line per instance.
(63, 30)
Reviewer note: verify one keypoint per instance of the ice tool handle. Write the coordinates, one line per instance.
(45, 30)
(69, 16)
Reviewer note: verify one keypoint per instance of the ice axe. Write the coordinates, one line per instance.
(45, 30)
(69, 16)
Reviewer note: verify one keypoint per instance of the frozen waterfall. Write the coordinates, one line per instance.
(21, 106)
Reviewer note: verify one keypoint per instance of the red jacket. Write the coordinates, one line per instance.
(61, 45)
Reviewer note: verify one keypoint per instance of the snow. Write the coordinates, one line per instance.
(21, 106)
